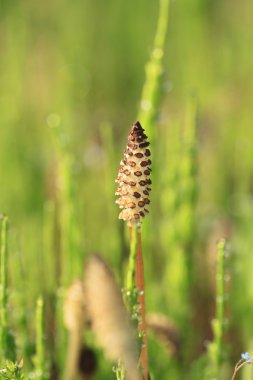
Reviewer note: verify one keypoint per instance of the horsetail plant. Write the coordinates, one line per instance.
(188, 184)
(179, 200)
(186, 212)
(49, 254)
(215, 348)
(151, 92)
(41, 372)
(7, 344)
(4, 294)
(133, 191)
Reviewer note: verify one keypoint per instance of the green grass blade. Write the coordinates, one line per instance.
(4, 294)
(40, 360)
(7, 343)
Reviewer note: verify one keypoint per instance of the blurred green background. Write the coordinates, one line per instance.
(71, 79)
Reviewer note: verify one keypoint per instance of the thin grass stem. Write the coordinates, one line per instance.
(60, 333)
(133, 230)
(50, 254)
(4, 283)
(152, 90)
(239, 365)
(215, 348)
(40, 359)
(7, 342)
(219, 330)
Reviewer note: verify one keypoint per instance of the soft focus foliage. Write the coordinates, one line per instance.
(71, 79)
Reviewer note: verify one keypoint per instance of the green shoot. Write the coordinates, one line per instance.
(151, 92)
(215, 348)
(40, 361)
(7, 344)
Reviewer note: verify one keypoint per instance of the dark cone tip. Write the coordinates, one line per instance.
(137, 126)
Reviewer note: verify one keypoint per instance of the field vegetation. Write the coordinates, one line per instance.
(74, 76)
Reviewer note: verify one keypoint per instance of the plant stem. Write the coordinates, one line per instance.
(40, 350)
(140, 284)
(50, 254)
(189, 186)
(215, 348)
(220, 297)
(239, 365)
(151, 92)
(135, 281)
(4, 284)
(132, 259)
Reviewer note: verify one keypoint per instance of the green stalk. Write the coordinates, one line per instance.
(132, 262)
(175, 272)
(4, 284)
(219, 323)
(7, 343)
(215, 348)
(151, 92)
(151, 98)
(51, 270)
(61, 341)
(40, 359)
(178, 203)
(140, 285)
